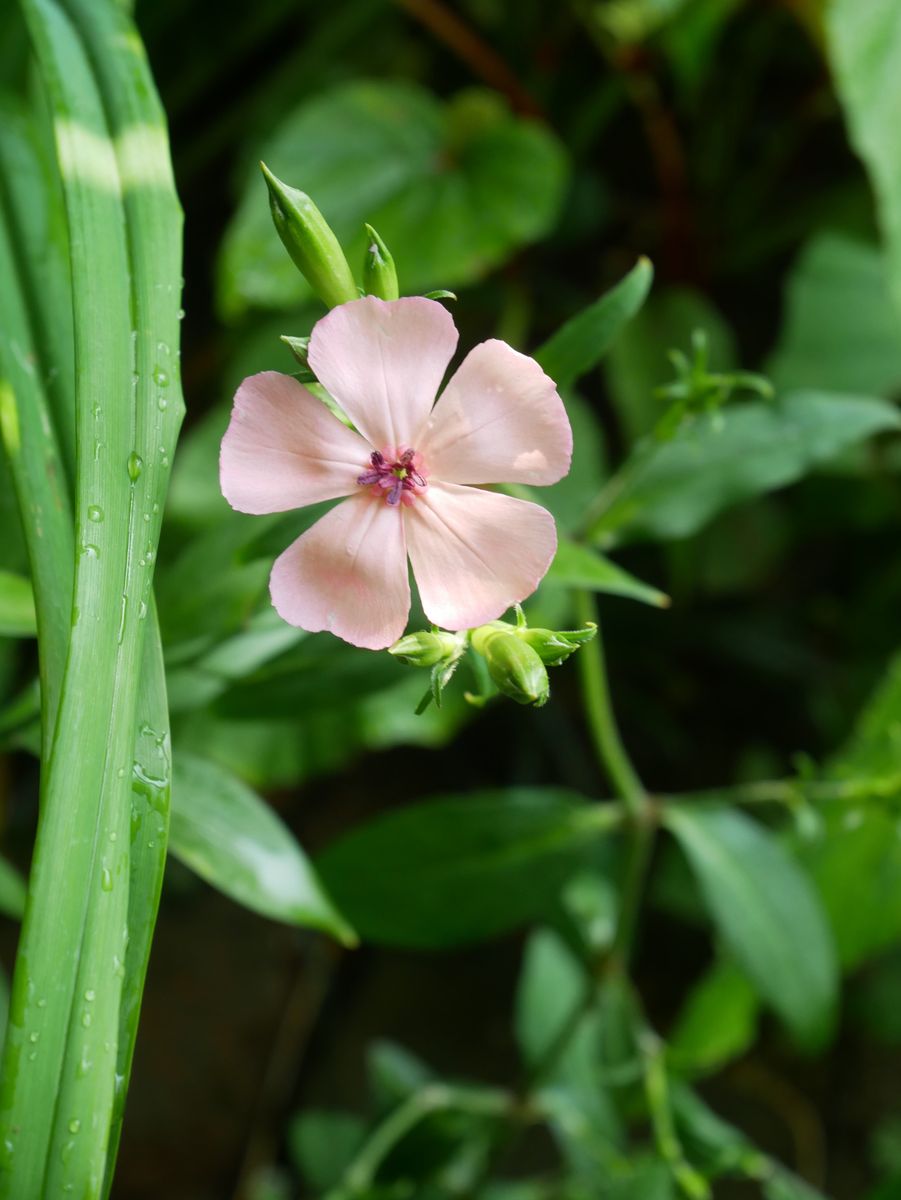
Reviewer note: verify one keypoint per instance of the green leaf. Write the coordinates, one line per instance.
(552, 991)
(839, 332)
(322, 1144)
(224, 832)
(767, 913)
(579, 566)
(452, 188)
(671, 489)
(717, 1023)
(858, 851)
(457, 870)
(12, 891)
(17, 615)
(583, 341)
(864, 44)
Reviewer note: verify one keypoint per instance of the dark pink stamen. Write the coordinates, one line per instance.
(396, 479)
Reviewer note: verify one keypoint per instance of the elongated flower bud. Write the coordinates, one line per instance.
(427, 649)
(379, 272)
(514, 666)
(310, 241)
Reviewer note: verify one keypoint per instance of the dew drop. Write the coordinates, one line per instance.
(74, 1125)
(160, 377)
(135, 466)
(34, 1037)
(162, 403)
(106, 882)
(90, 995)
(95, 514)
(86, 1019)
(89, 550)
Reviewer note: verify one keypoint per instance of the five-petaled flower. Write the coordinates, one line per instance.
(407, 475)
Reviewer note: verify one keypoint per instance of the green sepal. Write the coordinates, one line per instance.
(554, 646)
(309, 240)
(379, 272)
(423, 649)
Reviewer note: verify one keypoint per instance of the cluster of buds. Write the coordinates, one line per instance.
(515, 657)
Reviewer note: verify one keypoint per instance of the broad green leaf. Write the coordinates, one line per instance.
(12, 891)
(553, 989)
(224, 832)
(718, 1021)
(583, 341)
(840, 331)
(767, 913)
(783, 1185)
(17, 615)
(670, 489)
(858, 855)
(858, 851)
(452, 188)
(323, 1143)
(559, 1028)
(394, 1073)
(456, 870)
(579, 566)
(873, 750)
(864, 44)
(638, 362)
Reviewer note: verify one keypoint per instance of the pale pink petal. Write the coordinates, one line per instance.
(476, 553)
(383, 361)
(499, 420)
(347, 574)
(283, 449)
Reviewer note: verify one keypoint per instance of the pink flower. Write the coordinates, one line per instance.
(406, 474)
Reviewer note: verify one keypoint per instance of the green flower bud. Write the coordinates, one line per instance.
(379, 272)
(427, 649)
(555, 646)
(309, 240)
(513, 665)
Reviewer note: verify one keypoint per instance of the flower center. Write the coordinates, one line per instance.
(397, 475)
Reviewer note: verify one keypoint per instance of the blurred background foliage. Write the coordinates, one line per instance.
(525, 155)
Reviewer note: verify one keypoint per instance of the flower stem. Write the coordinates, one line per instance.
(611, 752)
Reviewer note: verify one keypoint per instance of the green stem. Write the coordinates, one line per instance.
(615, 762)
(436, 1097)
(611, 752)
(690, 1182)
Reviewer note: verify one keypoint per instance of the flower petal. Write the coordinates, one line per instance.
(383, 361)
(283, 449)
(476, 553)
(347, 574)
(499, 420)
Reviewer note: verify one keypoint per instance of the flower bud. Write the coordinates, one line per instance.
(427, 649)
(513, 665)
(379, 272)
(555, 646)
(310, 241)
